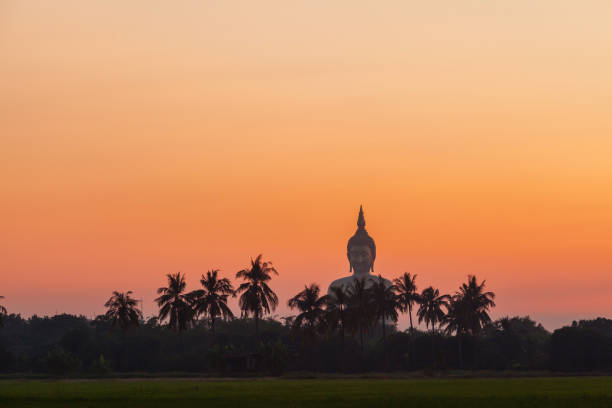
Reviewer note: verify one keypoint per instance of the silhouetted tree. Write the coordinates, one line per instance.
(2, 312)
(457, 321)
(359, 311)
(257, 298)
(477, 303)
(522, 342)
(174, 303)
(211, 300)
(337, 303)
(430, 307)
(311, 307)
(310, 320)
(407, 295)
(468, 311)
(122, 310)
(384, 302)
(430, 311)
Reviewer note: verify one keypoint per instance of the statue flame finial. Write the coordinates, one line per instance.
(361, 219)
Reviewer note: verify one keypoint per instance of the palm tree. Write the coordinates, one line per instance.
(384, 302)
(122, 310)
(311, 307)
(257, 298)
(407, 294)
(174, 303)
(457, 321)
(430, 308)
(430, 311)
(337, 304)
(211, 300)
(310, 318)
(477, 302)
(359, 316)
(2, 312)
(468, 311)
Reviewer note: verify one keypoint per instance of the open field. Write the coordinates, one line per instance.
(377, 393)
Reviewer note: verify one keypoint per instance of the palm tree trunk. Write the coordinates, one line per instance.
(342, 354)
(257, 327)
(212, 326)
(342, 329)
(433, 351)
(460, 350)
(410, 314)
(123, 349)
(411, 362)
(182, 341)
(361, 337)
(382, 319)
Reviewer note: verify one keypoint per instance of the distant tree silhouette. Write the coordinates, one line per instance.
(337, 304)
(522, 341)
(430, 307)
(407, 298)
(2, 312)
(407, 295)
(359, 316)
(384, 302)
(122, 310)
(457, 321)
(257, 298)
(311, 307)
(468, 311)
(174, 304)
(430, 311)
(211, 300)
(477, 303)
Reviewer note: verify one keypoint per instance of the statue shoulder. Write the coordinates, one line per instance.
(341, 283)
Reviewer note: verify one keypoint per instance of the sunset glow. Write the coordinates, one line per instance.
(140, 139)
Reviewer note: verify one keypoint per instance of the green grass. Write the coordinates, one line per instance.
(372, 393)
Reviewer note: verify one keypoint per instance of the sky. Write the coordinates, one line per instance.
(145, 138)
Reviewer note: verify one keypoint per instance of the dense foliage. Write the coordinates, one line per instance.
(72, 344)
(351, 330)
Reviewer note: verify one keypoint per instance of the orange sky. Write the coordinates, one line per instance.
(146, 138)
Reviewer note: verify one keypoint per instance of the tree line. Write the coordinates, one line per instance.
(346, 330)
(352, 310)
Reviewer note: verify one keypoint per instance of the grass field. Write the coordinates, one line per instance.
(373, 393)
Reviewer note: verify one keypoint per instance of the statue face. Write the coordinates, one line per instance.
(360, 258)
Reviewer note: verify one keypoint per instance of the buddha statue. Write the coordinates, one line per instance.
(361, 253)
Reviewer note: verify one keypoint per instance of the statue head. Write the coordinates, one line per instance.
(361, 249)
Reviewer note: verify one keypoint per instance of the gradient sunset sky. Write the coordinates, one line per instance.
(144, 138)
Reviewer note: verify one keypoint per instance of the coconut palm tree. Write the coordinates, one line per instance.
(122, 310)
(384, 303)
(468, 311)
(337, 304)
(2, 312)
(430, 311)
(211, 300)
(430, 307)
(311, 307)
(174, 303)
(457, 321)
(359, 311)
(477, 302)
(407, 295)
(257, 298)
